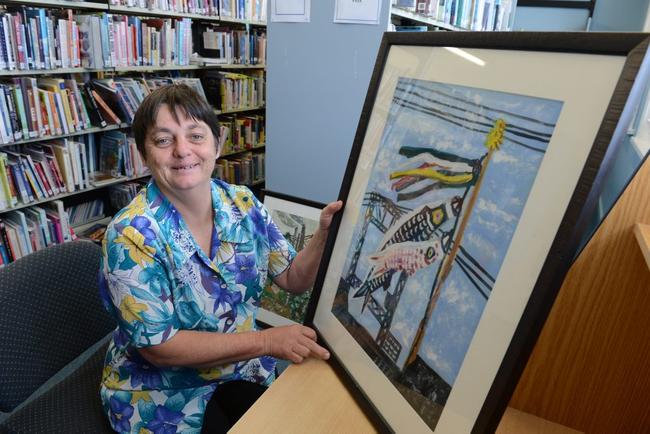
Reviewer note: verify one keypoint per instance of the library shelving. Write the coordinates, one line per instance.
(453, 15)
(135, 63)
(115, 181)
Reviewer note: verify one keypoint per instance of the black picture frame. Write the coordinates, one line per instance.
(478, 395)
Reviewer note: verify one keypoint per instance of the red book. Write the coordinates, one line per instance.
(54, 168)
(43, 178)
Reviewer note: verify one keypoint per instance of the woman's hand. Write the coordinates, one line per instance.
(294, 343)
(327, 214)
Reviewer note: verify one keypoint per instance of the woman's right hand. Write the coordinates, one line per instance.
(294, 343)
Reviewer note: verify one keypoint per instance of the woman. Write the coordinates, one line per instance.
(184, 266)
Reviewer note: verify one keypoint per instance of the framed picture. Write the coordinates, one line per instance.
(297, 219)
(473, 160)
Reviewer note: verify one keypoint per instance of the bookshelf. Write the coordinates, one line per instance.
(453, 15)
(136, 63)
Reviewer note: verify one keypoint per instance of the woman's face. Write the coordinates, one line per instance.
(181, 155)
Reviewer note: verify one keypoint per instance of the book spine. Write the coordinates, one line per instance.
(20, 182)
(87, 91)
(45, 43)
(49, 125)
(37, 107)
(18, 40)
(4, 61)
(31, 179)
(5, 239)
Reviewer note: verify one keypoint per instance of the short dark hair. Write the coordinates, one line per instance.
(177, 97)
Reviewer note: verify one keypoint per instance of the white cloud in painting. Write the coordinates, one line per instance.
(402, 331)
(487, 206)
(486, 249)
(490, 225)
(516, 201)
(503, 157)
(440, 365)
(459, 298)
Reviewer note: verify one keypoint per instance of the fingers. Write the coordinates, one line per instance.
(318, 352)
(309, 332)
(328, 212)
(295, 343)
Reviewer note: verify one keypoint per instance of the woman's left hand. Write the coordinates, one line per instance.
(327, 214)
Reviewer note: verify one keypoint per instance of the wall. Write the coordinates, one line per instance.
(618, 16)
(609, 15)
(318, 75)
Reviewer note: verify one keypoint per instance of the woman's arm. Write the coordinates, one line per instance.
(201, 349)
(301, 274)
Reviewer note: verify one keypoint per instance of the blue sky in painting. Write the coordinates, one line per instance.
(492, 223)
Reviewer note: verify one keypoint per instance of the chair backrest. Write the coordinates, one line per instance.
(50, 312)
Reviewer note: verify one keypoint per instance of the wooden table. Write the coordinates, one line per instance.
(310, 398)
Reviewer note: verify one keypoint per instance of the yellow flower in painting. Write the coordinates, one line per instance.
(133, 242)
(210, 373)
(494, 138)
(137, 395)
(131, 309)
(244, 201)
(246, 326)
(112, 379)
(144, 430)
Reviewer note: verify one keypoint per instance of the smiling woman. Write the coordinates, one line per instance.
(183, 270)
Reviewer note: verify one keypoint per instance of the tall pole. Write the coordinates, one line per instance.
(492, 143)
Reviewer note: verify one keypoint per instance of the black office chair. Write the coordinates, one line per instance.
(52, 324)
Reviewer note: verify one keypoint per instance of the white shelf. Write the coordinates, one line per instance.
(5, 73)
(155, 68)
(243, 151)
(80, 227)
(172, 14)
(159, 13)
(61, 196)
(239, 110)
(232, 66)
(423, 19)
(144, 68)
(63, 136)
(59, 4)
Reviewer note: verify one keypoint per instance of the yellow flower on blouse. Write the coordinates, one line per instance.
(131, 309)
(138, 395)
(210, 373)
(243, 200)
(112, 379)
(246, 325)
(133, 242)
(136, 207)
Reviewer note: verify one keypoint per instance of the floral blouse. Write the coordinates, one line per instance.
(156, 280)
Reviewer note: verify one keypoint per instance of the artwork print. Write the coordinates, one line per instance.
(297, 222)
(453, 171)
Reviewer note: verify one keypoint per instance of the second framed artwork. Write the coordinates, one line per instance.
(297, 219)
(473, 160)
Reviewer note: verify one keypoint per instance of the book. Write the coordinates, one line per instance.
(104, 109)
(96, 117)
(109, 92)
(57, 209)
(62, 153)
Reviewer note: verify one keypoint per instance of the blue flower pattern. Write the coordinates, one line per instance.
(155, 280)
